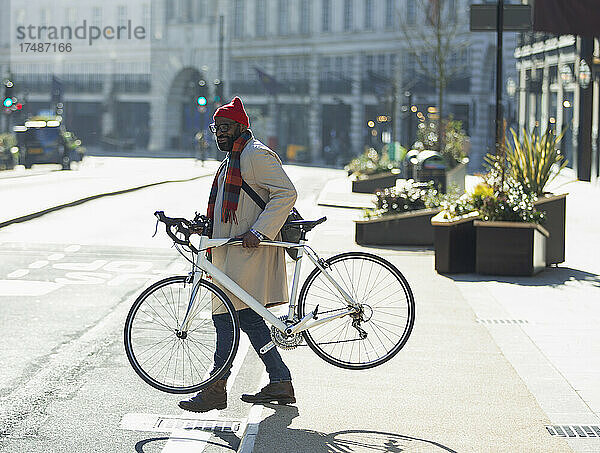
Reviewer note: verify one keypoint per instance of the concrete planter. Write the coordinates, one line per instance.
(444, 178)
(375, 182)
(555, 207)
(409, 228)
(510, 248)
(454, 242)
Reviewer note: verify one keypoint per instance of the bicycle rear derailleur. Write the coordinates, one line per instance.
(364, 314)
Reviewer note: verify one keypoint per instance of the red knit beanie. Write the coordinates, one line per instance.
(234, 111)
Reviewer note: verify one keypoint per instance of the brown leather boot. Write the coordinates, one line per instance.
(212, 397)
(280, 392)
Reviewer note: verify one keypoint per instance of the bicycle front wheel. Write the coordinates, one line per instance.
(164, 356)
(383, 324)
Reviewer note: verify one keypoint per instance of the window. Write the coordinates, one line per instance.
(238, 18)
(72, 16)
(261, 17)
(44, 16)
(122, 15)
(188, 11)
(347, 15)
(283, 24)
(411, 11)
(452, 10)
(170, 11)
(390, 13)
(200, 12)
(146, 16)
(326, 17)
(368, 14)
(305, 17)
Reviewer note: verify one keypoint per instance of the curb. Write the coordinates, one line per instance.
(251, 430)
(37, 214)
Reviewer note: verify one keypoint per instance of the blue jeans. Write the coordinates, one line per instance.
(258, 333)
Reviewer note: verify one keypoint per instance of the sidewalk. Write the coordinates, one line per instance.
(491, 361)
(26, 194)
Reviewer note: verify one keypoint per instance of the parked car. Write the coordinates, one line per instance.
(44, 140)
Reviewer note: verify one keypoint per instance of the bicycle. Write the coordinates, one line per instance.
(347, 311)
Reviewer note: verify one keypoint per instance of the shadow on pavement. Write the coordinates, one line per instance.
(551, 276)
(230, 442)
(275, 432)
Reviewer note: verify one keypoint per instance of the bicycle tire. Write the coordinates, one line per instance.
(199, 350)
(392, 338)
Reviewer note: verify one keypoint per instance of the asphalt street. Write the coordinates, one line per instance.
(465, 382)
(67, 280)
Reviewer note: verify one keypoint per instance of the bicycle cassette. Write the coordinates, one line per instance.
(284, 341)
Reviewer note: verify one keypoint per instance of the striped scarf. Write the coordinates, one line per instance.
(233, 181)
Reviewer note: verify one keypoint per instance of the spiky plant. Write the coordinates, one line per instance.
(535, 160)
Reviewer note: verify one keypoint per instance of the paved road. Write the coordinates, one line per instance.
(67, 280)
(461, 384)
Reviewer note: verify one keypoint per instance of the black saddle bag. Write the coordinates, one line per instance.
(289, 232)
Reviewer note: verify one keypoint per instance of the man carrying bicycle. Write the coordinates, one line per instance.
(260, 271)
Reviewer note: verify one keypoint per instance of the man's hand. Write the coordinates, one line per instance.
(249, 240)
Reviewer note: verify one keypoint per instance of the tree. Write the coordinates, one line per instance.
(437, 37)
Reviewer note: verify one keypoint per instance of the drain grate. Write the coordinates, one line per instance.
(171, 423)
(502, 321)
(574, 430)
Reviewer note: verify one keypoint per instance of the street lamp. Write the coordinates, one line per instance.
(585, 74)
(565, 74)
(511, 87)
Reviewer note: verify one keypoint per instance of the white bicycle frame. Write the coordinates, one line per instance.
(307, 322)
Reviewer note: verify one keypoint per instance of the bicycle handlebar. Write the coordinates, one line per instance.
(179, 225)
(201, 224)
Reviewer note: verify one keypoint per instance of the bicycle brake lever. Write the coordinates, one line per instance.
(156, 228)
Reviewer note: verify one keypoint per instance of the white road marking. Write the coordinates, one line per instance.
(30, 288)
(73, 248)
(18, 273)
(93, 266)
(56, 256)
(167, 423)
(38, 264)
(180, 442)
(253, 423)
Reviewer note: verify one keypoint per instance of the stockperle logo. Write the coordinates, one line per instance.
(65, 36)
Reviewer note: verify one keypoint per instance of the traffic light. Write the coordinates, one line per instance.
(200, 94)
(8, 99)
(218, 98)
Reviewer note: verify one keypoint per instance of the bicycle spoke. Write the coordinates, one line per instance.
(166, 361)
(387, 311)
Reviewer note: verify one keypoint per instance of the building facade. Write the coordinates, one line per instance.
(317, 76)
(559, 89)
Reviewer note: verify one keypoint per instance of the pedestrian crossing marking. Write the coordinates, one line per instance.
(31, 288)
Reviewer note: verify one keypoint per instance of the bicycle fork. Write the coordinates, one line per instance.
(183, 328)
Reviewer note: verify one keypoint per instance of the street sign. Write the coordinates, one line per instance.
(516, 17)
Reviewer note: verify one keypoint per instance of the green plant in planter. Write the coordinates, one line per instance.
(514, 204)
(535, 159)
(455, 140)
(406, 196)
(370, 163)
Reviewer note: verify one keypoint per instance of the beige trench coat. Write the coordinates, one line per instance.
(261, 272)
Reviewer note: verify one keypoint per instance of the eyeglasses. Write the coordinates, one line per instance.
(221, 127)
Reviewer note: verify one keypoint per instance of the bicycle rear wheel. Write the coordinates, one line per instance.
(170, 360)
(386, 317)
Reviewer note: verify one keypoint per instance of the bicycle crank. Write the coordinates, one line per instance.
(283, 340)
